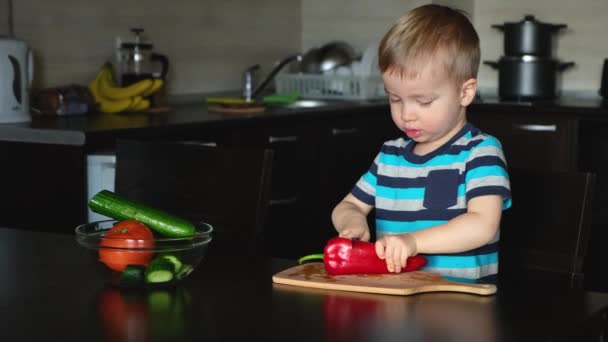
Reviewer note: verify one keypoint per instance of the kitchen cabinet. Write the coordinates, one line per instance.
(555, 140)
(316, 163)
(349, 149)
(319, 155)
(594, 157)
(289, 229)
(533, 141)
(43, 186)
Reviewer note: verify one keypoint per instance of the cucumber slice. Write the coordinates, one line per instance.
(132, 276)
(160, 270)
(112, 205)
(175, 261)
(184, 272)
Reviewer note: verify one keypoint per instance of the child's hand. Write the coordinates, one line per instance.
(355, 232)
(396, 249)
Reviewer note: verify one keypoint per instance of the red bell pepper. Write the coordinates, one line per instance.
(346, 256)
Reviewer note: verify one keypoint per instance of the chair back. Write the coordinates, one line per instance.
(547, 228)
(227, 187)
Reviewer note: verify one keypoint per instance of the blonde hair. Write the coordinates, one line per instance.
(431, 33)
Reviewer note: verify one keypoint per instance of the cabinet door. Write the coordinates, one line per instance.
(43, 187)
(289, 231)
(541, 141)
(350, 148)
(293, 155)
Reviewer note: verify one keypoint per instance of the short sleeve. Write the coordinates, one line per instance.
(486, 172)
(365, 188)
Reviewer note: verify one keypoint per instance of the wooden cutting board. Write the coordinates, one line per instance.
(408, 283)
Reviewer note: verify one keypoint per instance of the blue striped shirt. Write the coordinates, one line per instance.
(412, 192)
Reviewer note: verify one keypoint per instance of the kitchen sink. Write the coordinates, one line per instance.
(312, 104)
(308, 104)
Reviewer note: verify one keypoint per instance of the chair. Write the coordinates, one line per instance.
(547, 228)
(223, 186)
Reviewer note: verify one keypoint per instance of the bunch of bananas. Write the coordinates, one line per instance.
(112, 98)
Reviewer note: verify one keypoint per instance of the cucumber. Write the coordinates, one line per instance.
(132, 276)
(185, 270)
(117, 207)
(160, 270)
(177, 264)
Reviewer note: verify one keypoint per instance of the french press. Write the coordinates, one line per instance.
(138, 61)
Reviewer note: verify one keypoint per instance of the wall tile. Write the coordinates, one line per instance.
(584, 41)
(360, 22)
(209, 42)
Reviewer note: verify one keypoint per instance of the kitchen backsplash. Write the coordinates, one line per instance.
(210, 42)
(584, 41)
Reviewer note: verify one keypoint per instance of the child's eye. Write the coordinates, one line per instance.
(393, 99)
(425, 103)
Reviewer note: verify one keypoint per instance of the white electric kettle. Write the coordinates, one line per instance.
(16, 74)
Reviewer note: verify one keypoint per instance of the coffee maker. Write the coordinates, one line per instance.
(137, 61)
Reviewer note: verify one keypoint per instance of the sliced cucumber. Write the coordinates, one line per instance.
(184, 272)
(132, 276)
(175, 261)
(112, 205)
(160, 270)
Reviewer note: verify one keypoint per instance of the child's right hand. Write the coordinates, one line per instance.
(357, 232)
(350, 218)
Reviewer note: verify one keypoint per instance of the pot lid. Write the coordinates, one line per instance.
(530, 19)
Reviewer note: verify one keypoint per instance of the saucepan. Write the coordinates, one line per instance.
(528, 77)
(529, 37)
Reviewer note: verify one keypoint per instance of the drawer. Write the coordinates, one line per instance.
(293, 157)
(533, 141)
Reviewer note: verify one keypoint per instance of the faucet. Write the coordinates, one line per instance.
(249, 92)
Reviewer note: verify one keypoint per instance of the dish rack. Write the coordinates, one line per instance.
(331, 86)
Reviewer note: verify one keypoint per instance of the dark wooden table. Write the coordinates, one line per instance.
(48, 291)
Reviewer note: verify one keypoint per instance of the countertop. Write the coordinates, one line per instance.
(50, 291)
(77, 129)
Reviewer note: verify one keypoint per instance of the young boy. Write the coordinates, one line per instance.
(441, 190)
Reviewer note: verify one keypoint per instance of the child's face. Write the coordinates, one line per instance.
(429, 107)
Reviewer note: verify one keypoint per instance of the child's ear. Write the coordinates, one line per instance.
(468, 91)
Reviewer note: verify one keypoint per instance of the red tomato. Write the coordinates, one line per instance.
(126, 234)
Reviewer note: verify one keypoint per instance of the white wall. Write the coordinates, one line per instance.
(584, 41)
(358, 22)
(209, 42)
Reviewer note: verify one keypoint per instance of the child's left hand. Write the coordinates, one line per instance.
(396, 249)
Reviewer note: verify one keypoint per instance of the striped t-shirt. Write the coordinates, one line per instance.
(412, 192)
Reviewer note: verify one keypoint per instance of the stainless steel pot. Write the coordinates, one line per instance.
(525, 78)
(529, 37)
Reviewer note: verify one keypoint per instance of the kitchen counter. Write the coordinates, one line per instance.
(79, 130)
(49, 291)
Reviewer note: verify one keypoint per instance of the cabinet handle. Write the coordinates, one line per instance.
(344, 131)
(290, 138)
(536, 127)
(199, 143)
(289, 200)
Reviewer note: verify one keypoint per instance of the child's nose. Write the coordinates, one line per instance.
(408, 113)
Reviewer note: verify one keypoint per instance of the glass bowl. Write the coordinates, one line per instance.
(143, 263)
